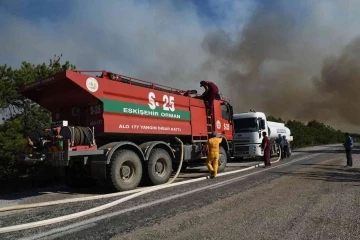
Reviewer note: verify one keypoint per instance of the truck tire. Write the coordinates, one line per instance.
(125, 170)
(222, 159)
(158, 168)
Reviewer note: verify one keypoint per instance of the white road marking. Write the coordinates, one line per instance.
(64, 230)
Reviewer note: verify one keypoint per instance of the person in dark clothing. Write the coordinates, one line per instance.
(285, 147)
(279, 141)
(265, 145)
(349, 144)
(211, 90)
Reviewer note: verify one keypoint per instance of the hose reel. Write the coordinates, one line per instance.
(78, 135)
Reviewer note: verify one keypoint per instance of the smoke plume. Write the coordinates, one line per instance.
(286, 68)
(292, 59)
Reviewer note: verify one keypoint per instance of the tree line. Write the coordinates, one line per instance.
(312, 133)
(20, 116)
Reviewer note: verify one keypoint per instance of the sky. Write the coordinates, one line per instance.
(292, 59)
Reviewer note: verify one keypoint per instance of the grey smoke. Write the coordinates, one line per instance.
(277, 66)
(275, 59)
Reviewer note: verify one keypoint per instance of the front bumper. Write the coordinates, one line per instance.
(248, 151)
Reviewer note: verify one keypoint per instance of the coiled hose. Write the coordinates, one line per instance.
(78, 135)
(82, 136)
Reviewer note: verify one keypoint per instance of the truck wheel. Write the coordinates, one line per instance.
(125, 170)
(222, 159)
(158, 167)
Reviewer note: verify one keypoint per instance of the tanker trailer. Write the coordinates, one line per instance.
(276, 128)
(248, 128)
(121, 129)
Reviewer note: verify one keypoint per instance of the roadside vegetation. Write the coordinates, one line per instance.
(20, 116)
(312, 133)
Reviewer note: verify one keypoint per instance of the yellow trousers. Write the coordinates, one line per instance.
(212, 162)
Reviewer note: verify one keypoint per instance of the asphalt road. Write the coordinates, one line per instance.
(312, 195)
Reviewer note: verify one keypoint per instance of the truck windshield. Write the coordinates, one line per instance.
(246, 125)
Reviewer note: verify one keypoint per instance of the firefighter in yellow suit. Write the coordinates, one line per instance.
(212, 160)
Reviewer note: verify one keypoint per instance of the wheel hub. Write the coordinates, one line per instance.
(125, 172)
(160, 167)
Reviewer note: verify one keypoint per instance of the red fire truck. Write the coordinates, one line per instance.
(122, 129)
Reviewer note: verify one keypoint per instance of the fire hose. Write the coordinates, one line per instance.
(35, 205)
(137, 192)
(81, 199)
(93, 210)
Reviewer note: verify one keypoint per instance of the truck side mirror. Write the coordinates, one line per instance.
(262, 123)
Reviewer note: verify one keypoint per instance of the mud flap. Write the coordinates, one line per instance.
(98, 170)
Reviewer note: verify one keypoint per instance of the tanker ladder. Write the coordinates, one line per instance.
(209, 123)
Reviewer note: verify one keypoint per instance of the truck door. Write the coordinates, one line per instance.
(222, 118)
(262, 126)
(226, 116)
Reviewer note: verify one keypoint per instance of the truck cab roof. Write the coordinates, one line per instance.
(249, 115)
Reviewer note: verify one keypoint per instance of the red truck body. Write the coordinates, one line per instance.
(123, 109)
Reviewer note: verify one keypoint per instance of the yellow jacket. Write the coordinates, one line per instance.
(213, 145)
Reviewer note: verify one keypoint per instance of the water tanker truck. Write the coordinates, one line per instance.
(121, 129)
(248, 128)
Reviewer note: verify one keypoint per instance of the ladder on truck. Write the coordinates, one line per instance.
(209, 122)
